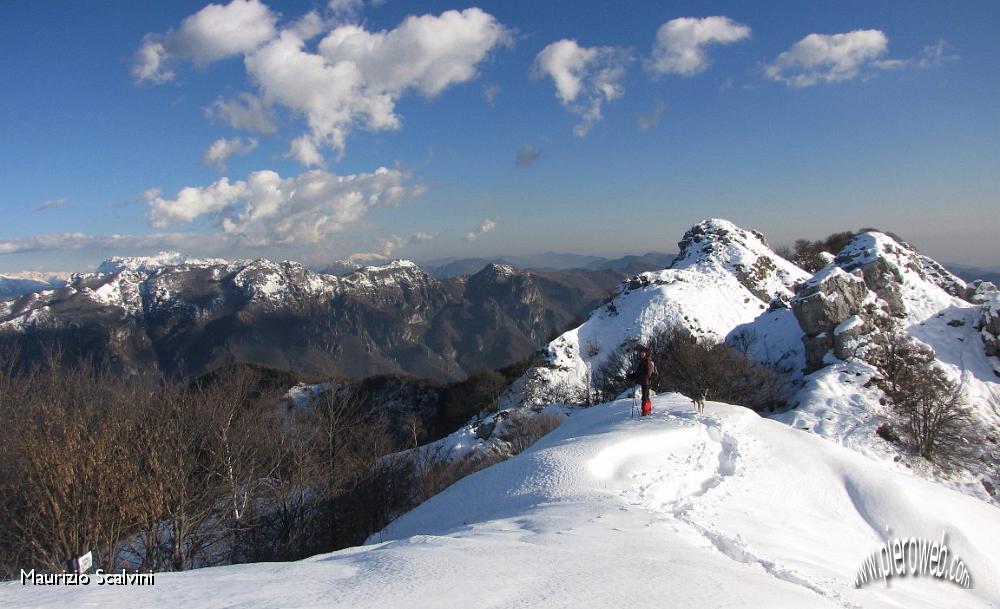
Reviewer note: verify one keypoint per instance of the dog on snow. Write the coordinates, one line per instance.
(699, 401)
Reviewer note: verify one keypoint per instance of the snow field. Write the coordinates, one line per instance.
(672, 510)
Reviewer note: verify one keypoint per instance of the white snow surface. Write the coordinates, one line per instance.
(725, 509)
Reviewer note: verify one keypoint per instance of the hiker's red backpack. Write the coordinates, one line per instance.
(647, 407)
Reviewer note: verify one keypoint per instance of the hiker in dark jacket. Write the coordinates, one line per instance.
(644, 371)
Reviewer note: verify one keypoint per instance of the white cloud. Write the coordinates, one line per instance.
(80, 241)
(266, 209)
(303, 150)
(584, 77)
(930, 56)
(245, 112)
(680, 43)
(192, 202)
(645, 122)
(345, 10)
(831, 58)
(309, 26)
(390, 246)
(214, 32)
(527, 155)
(353, 78)
(52, 203)
(149, 64)
(358, 76)
(218, 31)
(935, 54)
(221, 149)
(490, 92)
(488, 226)
(427, 53)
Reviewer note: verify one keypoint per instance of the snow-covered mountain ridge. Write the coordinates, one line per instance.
(188, 317)
(724, 278)
(728, 284)
(13, 285)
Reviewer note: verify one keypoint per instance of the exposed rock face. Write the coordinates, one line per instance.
(935, 272)
(821, 305)
(817, 346)
(875, 271)
(883, 279)
(828, 299)
(848, 336)
(989, 321)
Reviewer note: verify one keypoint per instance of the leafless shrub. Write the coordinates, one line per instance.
(70, 472)
(691, 366)
(927, 407)
(168, 475)
(523, 429)
(435, 470)
(611, 378)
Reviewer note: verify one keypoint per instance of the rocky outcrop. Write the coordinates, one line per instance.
(979, 291)
(849, 335)
(743, 253)
(887, 265)
(880, 277)
(828, 299)
(989, 324)
(935, 272)
(822, 305)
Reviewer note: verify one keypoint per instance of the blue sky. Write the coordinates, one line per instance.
(797, 119)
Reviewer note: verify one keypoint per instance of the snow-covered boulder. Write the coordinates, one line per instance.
(828, 299)
(821, 305)
(848, 336)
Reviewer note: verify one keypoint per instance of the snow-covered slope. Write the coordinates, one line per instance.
(725, 509)
(727, 283)
(725, 277)
(924, 300)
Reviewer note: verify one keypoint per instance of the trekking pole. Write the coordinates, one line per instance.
(632, 414)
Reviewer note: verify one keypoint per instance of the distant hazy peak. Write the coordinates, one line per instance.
(147, 264)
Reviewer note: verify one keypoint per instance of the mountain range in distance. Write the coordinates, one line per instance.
(186, 317)
(552, 261)
(16, 284)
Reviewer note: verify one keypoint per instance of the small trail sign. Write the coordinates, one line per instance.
(82, 564)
